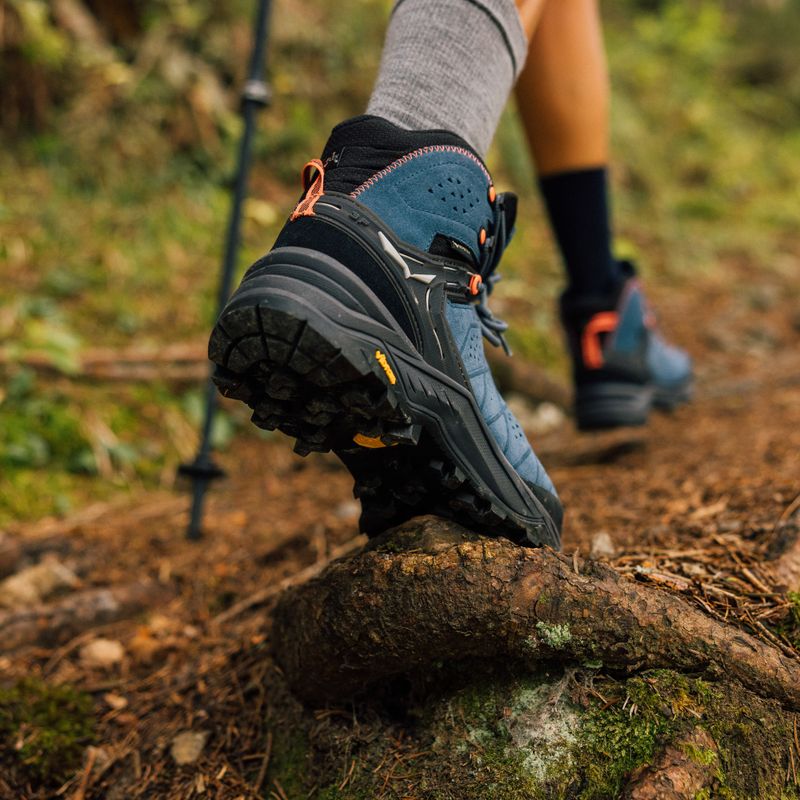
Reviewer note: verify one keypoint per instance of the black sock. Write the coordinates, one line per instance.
(577, 204)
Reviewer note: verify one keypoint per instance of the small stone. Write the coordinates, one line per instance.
(602, 547)
(115, 701)
(187, 746)
(549, 417)
(34, 584)
(102, 653)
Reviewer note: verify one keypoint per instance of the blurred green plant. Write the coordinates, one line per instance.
(44, 729)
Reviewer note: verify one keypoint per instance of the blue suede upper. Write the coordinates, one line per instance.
(466, 330)
(445, 190)
(432, 191)
(668, 366)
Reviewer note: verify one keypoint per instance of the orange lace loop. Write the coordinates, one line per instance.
(604, 322)
(313, 185)
(475, 282)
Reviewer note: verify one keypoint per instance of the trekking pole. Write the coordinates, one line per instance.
(255, 95)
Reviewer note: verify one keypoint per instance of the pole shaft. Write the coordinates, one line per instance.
(255, 96)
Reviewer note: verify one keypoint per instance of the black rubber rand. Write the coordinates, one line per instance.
(322, 371)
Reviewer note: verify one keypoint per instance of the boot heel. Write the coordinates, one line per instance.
(612, 405)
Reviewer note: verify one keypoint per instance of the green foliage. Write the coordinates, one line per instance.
(290, 761)
(39, 429)
(790, 626)
(43, 42)
(44, 729)
(709, 153)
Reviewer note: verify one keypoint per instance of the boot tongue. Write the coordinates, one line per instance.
(362, 146)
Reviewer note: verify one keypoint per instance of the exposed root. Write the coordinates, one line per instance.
(431, 591)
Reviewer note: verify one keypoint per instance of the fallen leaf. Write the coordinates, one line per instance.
(144, 647)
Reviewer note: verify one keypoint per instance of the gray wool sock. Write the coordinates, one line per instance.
(450, 64)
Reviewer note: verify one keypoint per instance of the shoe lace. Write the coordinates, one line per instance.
(492, 327)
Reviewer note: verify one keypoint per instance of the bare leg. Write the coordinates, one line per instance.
(563, 92)
(530, 12)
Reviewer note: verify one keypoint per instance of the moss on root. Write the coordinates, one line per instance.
(647, 713)
(44, 729)
(497, 735)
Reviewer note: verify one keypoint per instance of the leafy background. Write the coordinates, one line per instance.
(118, 125)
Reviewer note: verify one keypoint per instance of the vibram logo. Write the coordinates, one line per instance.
(367, 441)
(384, 362)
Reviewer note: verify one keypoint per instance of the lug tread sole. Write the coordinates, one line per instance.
(298, 381)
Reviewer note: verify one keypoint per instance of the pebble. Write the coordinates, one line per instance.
(536, 420)
(102, 653)
(348, 509)
(187, 746)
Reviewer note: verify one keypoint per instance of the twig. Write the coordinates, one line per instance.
(80, 793)
(788, 512)
(265, 595)
(280, 794)
(760, 585)
(348, 776)
(262, 772)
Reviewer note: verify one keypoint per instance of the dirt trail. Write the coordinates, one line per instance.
(693, 499)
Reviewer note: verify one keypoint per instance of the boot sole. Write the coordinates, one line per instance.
(314, 367)
(601, 406)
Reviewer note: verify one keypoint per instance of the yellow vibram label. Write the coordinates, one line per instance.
(384, 362)
(367, 441)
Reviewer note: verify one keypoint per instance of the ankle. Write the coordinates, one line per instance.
(361, 147)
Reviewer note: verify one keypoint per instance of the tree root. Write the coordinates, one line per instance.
(430, 591)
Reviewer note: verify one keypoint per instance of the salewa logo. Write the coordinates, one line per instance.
(333, 159)
(391, 251)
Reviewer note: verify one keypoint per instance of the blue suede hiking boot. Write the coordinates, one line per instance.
(621, 365)
(362, 331)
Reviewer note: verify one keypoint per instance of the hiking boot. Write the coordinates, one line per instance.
(362, 330)
(621, 364)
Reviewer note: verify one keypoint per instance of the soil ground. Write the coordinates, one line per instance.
(691, 503)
